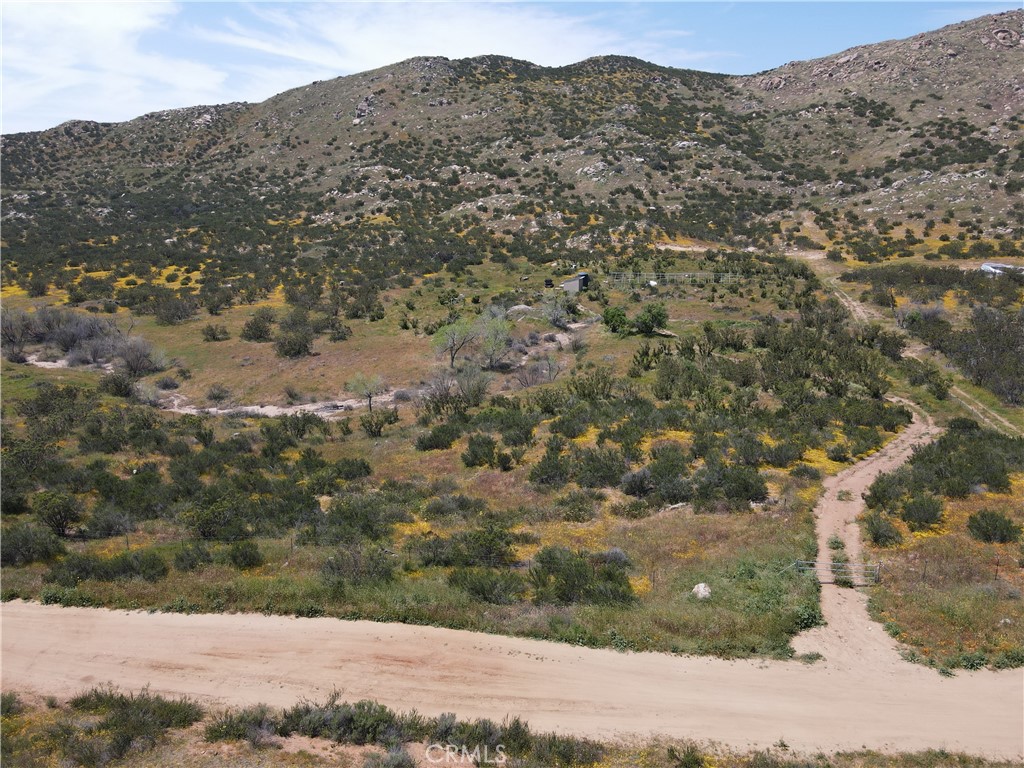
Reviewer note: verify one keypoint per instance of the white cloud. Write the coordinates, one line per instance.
(114, 61)
(91, 61)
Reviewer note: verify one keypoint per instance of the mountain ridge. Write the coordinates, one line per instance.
(595, 156)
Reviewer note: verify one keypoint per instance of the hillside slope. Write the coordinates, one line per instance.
(434, 158)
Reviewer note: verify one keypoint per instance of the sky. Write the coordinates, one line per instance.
(112, 61)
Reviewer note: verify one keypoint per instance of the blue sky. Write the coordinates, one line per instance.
(117, 60)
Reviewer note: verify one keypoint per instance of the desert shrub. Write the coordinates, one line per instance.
(192, 557)
(688, 756)
(838, 452)
(245, 554)
(74, 568)
(489, 545)
(258, 328)
(255, 724)
(922, 511)
(10, 704)
(396, 757)
(127, 723)
(573, 423)
(805, 472)
(358, 566)
(561, 576)
(353, 469)
(167, 382)
(491, 586)
(482, 451)
(735, 485)
(638, 483)
(632, 510)
(109, 520)
(554, 467)
(116, 383)
(598, 467)
(24, 543)
(579, 506)
(440, 437)
(993, 527)
(556, 750)
(218, 393)
(212, 332)
(453, 505)
(294, 344)
(373, 423)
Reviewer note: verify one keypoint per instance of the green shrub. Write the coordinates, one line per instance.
(688, 756)
(128, 723)
(598, 467)
(75, 568)
(258, 328)
(10, 704)
(359, 565)
(396, 757)
(192, 557)
(579, 506)
(881, 530)
(57, 511)
(554, 750)
(373, 423)
(353, 469)
(213, 332)
(491, 586)
(482, 451)
(245, 554)
(24, 543)
(922, 511)
(254, 724)
(632, 510)
(563, 577)
(993, 527)
(806, 472)
(439, 438)
(453, 504)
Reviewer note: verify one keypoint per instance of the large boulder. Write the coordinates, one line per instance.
(702, 591)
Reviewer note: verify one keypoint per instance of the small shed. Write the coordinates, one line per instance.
(576, 284)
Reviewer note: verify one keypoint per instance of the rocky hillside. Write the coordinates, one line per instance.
(431, 159)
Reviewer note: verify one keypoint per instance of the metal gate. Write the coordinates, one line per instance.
(830, 572)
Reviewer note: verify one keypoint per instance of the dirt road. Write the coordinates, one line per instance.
(842, 703)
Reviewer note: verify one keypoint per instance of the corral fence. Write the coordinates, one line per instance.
(670, 278)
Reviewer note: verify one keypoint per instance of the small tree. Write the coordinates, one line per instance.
(495, 341)
(367, 387)
(616, 320)
(455, 337)
(57, 511)
(653, 317)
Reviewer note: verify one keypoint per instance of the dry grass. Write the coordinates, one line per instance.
(946, 594)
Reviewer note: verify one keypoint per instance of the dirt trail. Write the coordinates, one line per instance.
(865, 313)
(849, 631)
(838, 704)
